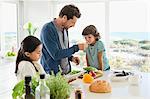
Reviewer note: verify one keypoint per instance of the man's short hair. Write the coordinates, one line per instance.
(70, 11)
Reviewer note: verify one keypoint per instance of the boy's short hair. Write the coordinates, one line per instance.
(91, 29)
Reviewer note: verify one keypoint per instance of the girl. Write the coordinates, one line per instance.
(28, 55)
(95, 52)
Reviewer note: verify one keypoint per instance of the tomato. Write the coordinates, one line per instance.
(92, 73)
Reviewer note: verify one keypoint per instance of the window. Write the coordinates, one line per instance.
(129, 33)
(8, 27)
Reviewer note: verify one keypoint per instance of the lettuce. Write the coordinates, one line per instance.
(89, 68)
(58, 85)
(19, 88)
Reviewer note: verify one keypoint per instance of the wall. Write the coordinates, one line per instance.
(37, 12)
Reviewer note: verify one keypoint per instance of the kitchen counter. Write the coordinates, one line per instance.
(120, 89)
(7, 79)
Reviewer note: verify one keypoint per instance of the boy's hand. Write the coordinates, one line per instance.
(82, 46)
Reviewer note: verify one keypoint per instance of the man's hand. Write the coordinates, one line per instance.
(76, 60)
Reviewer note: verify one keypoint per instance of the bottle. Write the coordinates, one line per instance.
(42, 91)
(28, 92)
(78, 93)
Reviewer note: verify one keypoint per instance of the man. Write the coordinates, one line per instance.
(56, 52)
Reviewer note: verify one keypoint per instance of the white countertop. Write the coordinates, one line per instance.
(120, 90)
(7, 79)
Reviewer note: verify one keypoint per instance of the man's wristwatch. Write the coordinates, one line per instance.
(76, 48)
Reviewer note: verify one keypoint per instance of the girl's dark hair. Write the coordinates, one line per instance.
(29, 44)
(91, 29)
(70, 11)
